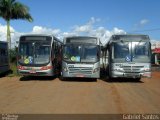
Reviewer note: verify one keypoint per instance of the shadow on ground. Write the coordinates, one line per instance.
(122, 80)
(78, 79)
(37, 78)
(6, 73)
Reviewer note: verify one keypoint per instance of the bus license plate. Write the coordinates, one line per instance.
(131, 74)
(79, 75)
(32, 71)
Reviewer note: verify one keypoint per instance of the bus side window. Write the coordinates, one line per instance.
(53, 52)
(0, 57)
(59, 48)
(56, 49)
(0, 52)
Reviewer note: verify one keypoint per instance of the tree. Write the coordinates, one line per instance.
(11, 9)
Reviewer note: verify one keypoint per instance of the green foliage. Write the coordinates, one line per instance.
(11, 9)
(13, 55)
(13, 72)
(13, 62)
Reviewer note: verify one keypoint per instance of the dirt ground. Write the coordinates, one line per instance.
(38, 95)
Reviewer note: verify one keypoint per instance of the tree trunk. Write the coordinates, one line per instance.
(8, 34)
(9, 38)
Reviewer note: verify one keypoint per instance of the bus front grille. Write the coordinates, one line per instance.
(132, 68)
(80, 70)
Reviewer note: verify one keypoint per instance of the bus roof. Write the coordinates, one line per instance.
(3, 42)
(81, 39)
(129, 37)
(41, 35)
(25, 35)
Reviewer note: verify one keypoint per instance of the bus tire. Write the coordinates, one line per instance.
(137, 79)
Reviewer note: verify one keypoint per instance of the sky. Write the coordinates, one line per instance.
(101, 18)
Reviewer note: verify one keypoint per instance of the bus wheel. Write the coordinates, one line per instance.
(137, 79)
(63, 78)
(94, 79)
(109, 77)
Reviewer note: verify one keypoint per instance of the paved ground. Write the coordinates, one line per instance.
(51, 95)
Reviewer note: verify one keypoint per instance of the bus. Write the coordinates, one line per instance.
(39, 55)
(4, 60)
(129, 56)
(81, 57)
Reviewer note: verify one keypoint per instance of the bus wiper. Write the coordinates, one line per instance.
(139, 42)
(124, 43)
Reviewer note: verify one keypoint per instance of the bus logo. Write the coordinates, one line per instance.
(128, 58)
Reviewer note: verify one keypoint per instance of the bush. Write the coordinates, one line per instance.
(13, 55)
(13, 62)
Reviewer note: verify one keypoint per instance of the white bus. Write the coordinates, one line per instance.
(129, 56)
(81, 57)
(39, 55)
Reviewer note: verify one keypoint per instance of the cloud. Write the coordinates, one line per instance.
(3, 32)
(94, 20)
(83, 28)
(14, 34)
(105, 34)
(44, 30)
(101, 32)
(86, 27)
(143, 22)
(89, 29)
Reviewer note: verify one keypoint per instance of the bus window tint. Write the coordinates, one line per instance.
(90, 53)
(141, 49)
(42, 53)
(34, 52)
(121, 50)
(25, 51)
(72, 53)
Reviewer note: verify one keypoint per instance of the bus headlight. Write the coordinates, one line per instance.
(20, 67)
(95, 70)
(147, 68)
(65, 69)
(46, 68)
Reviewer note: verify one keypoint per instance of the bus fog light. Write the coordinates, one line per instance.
(146, 69)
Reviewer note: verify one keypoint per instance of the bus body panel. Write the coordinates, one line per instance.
(4, 60)
(36, 71)
(130, 70)
(81, 70)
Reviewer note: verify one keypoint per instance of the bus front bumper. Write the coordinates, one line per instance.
(36, 73)
(116, 74)
(80, 75)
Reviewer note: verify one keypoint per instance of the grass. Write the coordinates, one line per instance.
(13, 70)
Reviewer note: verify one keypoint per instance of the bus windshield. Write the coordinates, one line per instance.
(130, 51)
(81, 53)
(141, 49)
(121, 49)
(32, 52)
